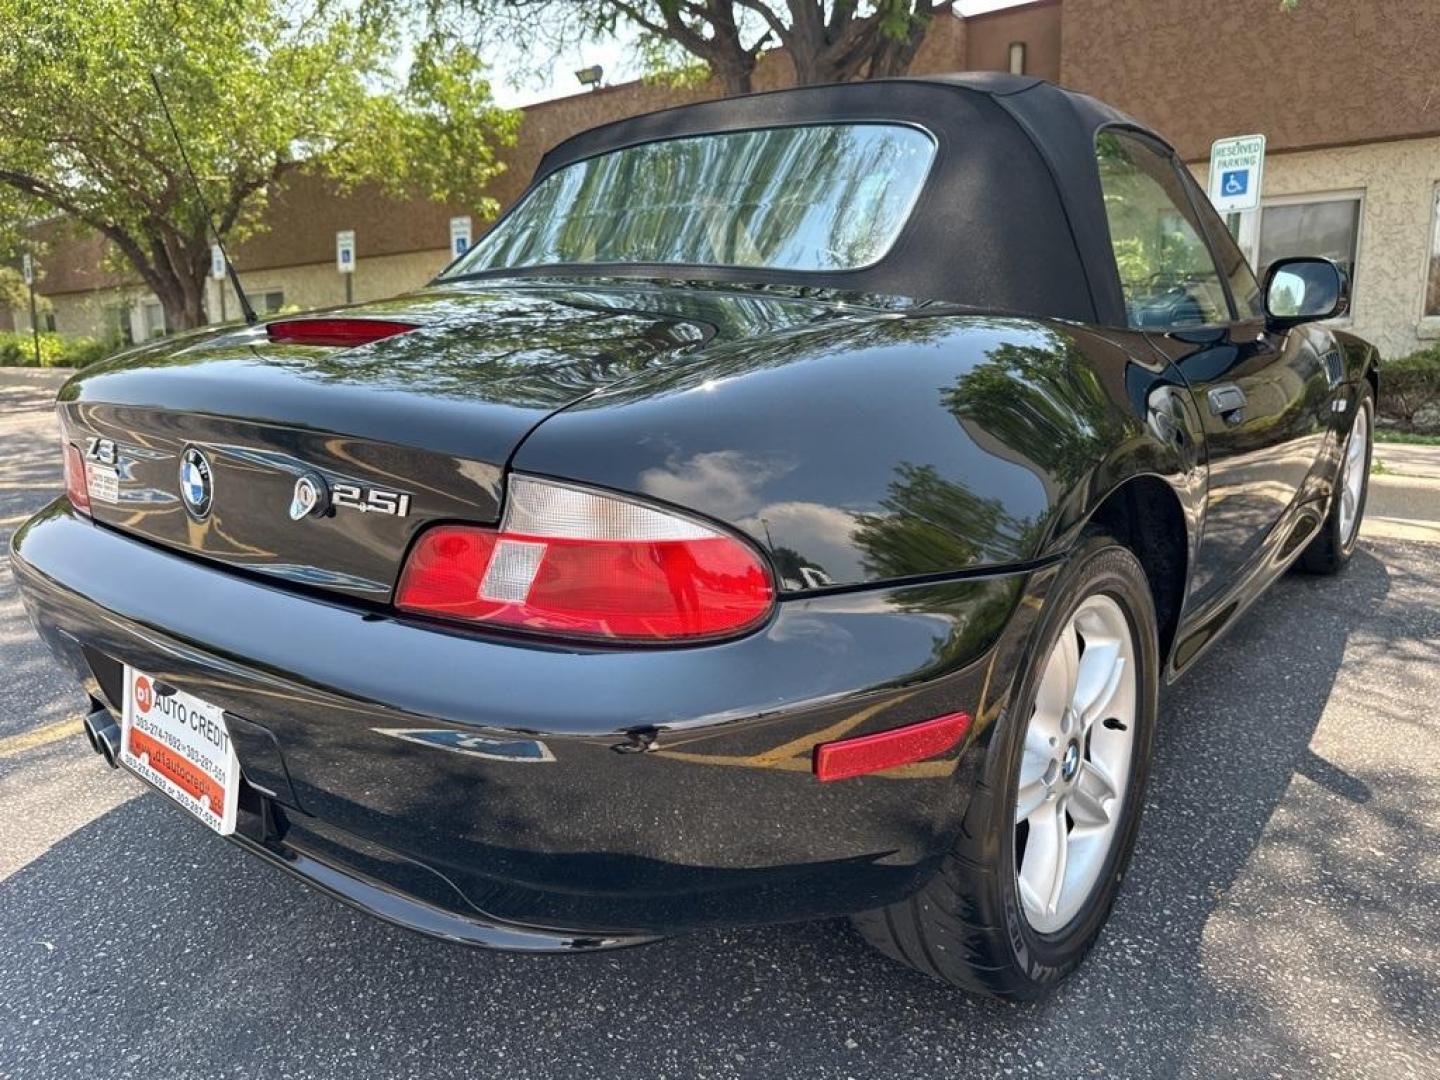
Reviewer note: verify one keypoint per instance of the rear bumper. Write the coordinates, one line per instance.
(424, 910)
(603, 796)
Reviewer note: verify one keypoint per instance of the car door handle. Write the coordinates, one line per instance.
(1228, 402)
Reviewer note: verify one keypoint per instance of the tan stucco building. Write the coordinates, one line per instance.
(1347, 93)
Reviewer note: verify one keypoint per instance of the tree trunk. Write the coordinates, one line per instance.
(736, 77)
(187, 314)
(731, 62)
(178, 265)
(183, 301)
(893, 57)
(853, 46)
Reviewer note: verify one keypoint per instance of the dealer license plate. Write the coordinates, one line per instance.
(180, 744)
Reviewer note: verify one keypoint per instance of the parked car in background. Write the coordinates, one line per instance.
(789, 508)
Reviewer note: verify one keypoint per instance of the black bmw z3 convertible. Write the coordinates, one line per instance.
(789, 508)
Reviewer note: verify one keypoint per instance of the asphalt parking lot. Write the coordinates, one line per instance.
(1282, 916)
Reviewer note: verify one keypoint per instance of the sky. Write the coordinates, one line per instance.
(512, 88)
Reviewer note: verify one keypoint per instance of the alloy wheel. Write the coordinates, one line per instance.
(1352, 475)
(1075, 766)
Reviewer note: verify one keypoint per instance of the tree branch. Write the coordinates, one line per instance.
(38, 189)
(778, 28)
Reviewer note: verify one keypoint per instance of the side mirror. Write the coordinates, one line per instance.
(1302, 290)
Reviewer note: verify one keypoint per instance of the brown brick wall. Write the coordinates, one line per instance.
(1332, 72)
(988, 38)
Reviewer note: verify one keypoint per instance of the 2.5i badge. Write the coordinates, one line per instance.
(313, 496)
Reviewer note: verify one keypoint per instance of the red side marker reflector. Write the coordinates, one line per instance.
(345, 333)
(886, 749)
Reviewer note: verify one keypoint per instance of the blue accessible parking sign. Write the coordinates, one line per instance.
(1236, 168)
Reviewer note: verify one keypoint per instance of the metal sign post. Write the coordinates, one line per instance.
(27, 268)
(217, 271)
(1237, 169)
(345, 260)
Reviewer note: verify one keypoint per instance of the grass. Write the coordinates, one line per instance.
(1407, 437)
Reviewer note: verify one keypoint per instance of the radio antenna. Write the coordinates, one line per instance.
(245, 307)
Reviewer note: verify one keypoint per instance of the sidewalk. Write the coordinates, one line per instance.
(1404, 502)
(1403, 459)
(33, 378)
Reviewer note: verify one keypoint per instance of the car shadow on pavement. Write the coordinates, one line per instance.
(140, 945)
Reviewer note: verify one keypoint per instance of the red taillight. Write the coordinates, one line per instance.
(342, 332)
(75, 487)
(579, 563)
(886, 749)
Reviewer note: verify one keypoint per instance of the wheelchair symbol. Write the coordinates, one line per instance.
(1235, 183)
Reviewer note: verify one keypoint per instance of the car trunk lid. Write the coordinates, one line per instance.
(396, 434)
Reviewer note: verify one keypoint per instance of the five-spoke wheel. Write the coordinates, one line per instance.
(1339, 534)
(1075, 764)
(1052, 819)
(1352, 475)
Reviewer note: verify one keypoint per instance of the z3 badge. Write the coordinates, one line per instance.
(102, 472)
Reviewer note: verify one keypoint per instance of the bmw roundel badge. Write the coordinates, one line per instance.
(197, 483)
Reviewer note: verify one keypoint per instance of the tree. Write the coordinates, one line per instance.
(14, 293)
(14, 246)
(826, 40)
(257, 88)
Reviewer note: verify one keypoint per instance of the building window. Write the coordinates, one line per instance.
(269, 302)
(1017, 58)
(117, 325)
(152, 317)
(1432, 279)
(49, 320)
(1317, 225)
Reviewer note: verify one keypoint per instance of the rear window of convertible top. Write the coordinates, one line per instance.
(821, 197)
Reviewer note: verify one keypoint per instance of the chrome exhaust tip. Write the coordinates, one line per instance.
(103, 735)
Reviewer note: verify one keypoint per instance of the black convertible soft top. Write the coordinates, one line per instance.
(1011, 218)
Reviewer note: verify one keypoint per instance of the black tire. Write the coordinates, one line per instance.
(967, 925)
(1329, 551)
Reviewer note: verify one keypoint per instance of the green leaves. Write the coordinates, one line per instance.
(434, 135)
(256, 87)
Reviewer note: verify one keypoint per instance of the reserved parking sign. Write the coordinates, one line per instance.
(345, 251)
(1236, 168)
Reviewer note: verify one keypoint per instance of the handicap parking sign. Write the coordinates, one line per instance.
(345, 251)
(1236, 166)
(460, 235)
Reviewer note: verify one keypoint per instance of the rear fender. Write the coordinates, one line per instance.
(881, 449)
